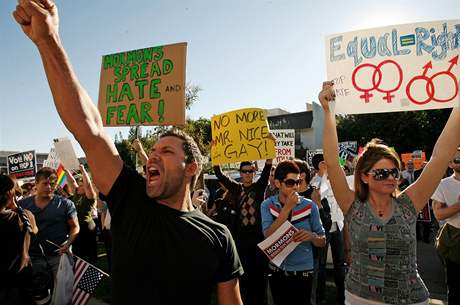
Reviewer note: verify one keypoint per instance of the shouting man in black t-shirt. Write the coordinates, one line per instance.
(164, 251)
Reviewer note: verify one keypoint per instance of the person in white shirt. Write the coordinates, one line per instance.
(334, 237)
(446, 207)
(408, 173)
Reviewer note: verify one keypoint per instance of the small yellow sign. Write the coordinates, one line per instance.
(241, 135)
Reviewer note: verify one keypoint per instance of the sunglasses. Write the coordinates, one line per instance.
(383, 173)
(247, 171)
(291, 182)
(456, 160)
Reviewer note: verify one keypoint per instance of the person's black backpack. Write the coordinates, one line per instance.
(325, 215)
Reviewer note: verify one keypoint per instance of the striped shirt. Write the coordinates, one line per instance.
(384, 256)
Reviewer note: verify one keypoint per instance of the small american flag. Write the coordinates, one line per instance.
(87, 277)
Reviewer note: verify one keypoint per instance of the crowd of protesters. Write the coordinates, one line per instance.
(167, 251)
(45, 224)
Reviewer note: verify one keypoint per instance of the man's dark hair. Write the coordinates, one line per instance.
(316, 160)
(245, 163)
(6, 185)
(191, 150)
(45, 173)
(304, 168)
(284, 168)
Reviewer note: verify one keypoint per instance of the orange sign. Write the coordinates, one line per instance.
(417, 156)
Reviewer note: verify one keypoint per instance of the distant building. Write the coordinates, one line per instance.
(308, 126)
(276, 111)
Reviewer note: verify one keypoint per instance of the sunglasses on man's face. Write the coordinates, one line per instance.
(291, 182)
(456, 160)
(247, 171)
(383, 173)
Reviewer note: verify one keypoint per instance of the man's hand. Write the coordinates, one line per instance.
(199, 198)
(64, 249)
(137, 145)
(38, 19)
(303, 235)
(292, 200)
(271, 136)
(347, 257)
(316, 197)
(326, 95)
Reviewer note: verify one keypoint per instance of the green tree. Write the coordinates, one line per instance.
(124, 149)
(405, 131)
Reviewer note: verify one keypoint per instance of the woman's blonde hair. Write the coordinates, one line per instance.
(374, 151)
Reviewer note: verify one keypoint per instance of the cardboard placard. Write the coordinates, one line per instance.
(311, 153)
(395, 68)
(66, 154)
(144, 87)
(241, 135)
(348, 151)
(22, 165)
(285, 144)
(417, 156)
(280, 244)
(52, 160)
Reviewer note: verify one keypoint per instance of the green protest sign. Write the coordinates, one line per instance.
(143, 87)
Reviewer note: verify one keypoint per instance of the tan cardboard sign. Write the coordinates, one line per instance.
(144, 87)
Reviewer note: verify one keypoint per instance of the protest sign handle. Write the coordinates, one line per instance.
(135, 152)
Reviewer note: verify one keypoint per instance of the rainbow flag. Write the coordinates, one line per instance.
(61, 176)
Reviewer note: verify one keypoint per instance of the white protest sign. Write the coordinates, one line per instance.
(348, 150)
(285, 144)
(280, 244)
(395, 68)
(52, 160)
(66, 153)
(311, 153)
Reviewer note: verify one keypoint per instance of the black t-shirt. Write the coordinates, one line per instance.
(12, 239)
(161, 255)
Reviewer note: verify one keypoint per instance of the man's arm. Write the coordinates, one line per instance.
(71, 182)
(228, 293)
(228, 182)
(316, 236)
(291, 202)
(139, 149)
(262, 182)
(73, 232)
(40, 22)
(88, 186)
(265, 175)
(441, 211)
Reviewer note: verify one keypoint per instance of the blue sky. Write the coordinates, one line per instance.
(244, 53)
